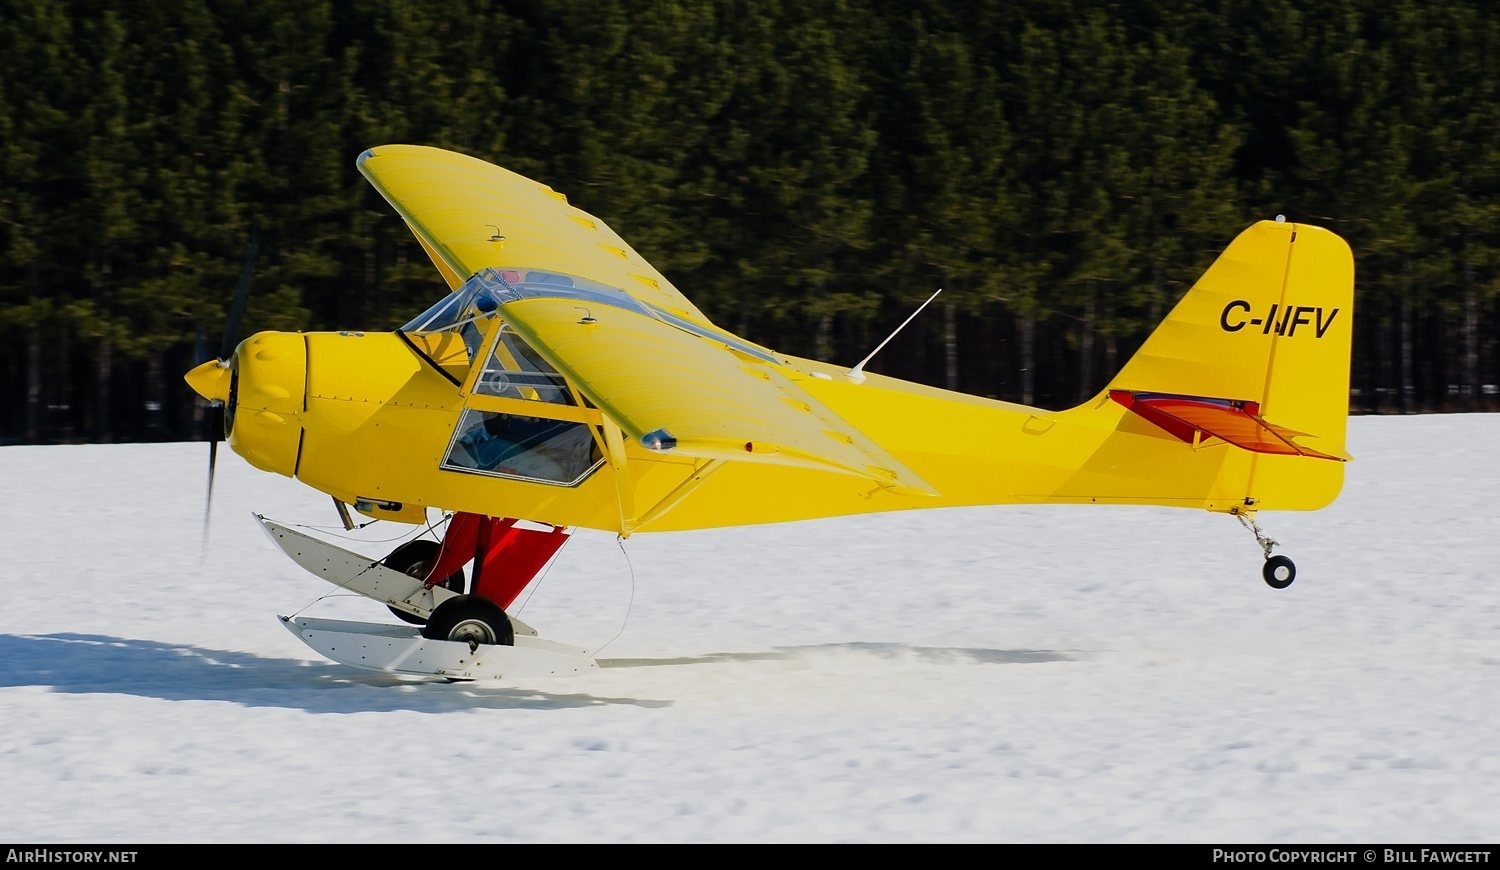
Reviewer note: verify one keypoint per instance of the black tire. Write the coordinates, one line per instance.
(1279, 572)
(414, 558)
(470, 619)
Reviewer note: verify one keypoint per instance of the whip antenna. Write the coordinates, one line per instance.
(857, 373)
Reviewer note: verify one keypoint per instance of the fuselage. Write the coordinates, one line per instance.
(369, 419)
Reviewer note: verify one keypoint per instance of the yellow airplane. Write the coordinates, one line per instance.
(564, 383)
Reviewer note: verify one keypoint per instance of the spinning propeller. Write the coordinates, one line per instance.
(214, 379)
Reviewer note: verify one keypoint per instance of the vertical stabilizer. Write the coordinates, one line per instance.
(1266, 332)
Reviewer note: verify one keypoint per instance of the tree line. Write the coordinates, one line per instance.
(806, 172)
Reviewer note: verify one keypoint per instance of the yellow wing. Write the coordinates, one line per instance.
(469, 214)
(623, 335)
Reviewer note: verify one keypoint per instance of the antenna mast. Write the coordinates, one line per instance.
(857, 374)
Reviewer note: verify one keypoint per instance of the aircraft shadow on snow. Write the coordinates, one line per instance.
(936, 655)
(91, 663)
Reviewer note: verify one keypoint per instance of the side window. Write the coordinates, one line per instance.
(512, 443)
(532, 448)
(513, 369)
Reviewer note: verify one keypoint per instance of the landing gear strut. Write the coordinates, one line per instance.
(1278, 571)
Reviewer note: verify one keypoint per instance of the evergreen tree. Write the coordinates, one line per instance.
(940, 168)
(42, 190)
(618, 113)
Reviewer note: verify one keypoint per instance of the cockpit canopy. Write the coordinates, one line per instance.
(484, 293)
(496, 366)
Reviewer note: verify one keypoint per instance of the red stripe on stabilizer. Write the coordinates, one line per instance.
(1237, 422)
(506, 556)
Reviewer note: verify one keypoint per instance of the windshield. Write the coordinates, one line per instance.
(482, 294)
(463, 311)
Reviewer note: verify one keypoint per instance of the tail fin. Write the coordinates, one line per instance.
(1257, 354)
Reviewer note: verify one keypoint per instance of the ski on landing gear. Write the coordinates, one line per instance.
(450, 632)
(401, 649)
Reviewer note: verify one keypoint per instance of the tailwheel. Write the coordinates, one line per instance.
(1279, 572)
(414, 559)
(472, 620)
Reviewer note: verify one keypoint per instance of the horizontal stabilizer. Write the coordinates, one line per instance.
(1193, 418)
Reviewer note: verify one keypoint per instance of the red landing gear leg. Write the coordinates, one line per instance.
(506, 556)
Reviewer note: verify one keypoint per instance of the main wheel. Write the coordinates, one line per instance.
(1279, 572)
(414, 559)
(470, 619)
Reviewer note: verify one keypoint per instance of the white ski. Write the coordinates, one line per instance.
(358, 573)
(402, 650)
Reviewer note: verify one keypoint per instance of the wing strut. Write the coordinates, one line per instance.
(701, 471)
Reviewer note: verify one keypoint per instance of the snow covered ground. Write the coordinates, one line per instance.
(1039, 674)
